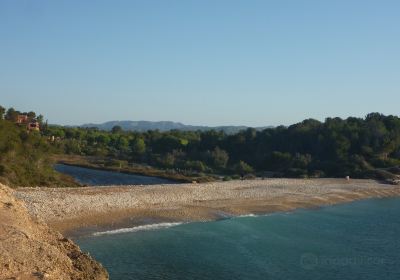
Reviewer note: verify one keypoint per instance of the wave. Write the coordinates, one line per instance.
(225, 215)
(137, 228)
(248, 215)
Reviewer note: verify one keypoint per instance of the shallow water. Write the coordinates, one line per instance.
(360, 240)
(95, 177)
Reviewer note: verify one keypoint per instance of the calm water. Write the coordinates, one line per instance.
(94, 177)
(360, 240)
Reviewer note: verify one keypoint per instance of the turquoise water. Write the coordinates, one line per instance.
(359, 240)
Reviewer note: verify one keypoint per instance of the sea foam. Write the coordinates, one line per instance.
(137, 228)
(247, 215)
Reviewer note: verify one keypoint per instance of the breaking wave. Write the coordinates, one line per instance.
(137, 228)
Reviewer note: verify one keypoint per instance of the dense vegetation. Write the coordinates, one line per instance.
(364, 148)
(356, 147)
(25, 157)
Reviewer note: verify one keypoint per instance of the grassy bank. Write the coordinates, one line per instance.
(107, 164)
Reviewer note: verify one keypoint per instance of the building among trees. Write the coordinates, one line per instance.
(31, 123)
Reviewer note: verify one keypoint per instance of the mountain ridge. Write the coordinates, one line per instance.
(142, 126)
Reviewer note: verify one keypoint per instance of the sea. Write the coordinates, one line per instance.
(359, 240)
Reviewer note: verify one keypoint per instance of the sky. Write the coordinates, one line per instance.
(217, 62)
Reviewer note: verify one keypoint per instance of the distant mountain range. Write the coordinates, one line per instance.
(142, 126)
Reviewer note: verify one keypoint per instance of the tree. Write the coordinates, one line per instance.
(103, 139)
(40, 119)
(31, 115)
(210, 139)
(116, 129)
(58, 132)
(12, 115)
(302, 161)
(219, 158)
(279, 161)
(138, 146)
(168, 160)
(2, 112)
(243, 168)
(122, 144)
(195, 165)
(166, 144)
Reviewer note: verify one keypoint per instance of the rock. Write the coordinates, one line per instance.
(395, 182)
(29, 249)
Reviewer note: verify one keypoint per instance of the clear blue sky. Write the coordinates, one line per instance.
(202, 62)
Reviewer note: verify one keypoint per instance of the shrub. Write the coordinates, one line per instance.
(227, 178)
(249, 176)
(378, 174)
(243, 168)
(296, 172)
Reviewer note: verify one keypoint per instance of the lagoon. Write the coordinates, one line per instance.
(94, 177)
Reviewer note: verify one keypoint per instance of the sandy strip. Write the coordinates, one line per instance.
(84, 210)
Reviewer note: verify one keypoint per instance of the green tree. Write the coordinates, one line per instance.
(168, 160)
(122, 144)
(116, 129)
(219, 158)
(166, 144)
(40, 119)
(103, 139)
(2, 112)
(138, 147)
(195, 165)
(11, 114)
(243, 168)
(302, 161)
(31, 115)
(279, 161)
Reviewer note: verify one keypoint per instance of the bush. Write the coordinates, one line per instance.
(394, 170)
(195, 165)
(243, 168)
(317, 174)
(296, 172)
(25, 158)
(249, 176)
(227, 178)
(379, 174)
(116, 163)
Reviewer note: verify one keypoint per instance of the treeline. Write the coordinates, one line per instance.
(359, 147)
(25, 156)
(11, 114)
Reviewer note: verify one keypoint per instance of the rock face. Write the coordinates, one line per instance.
(29, 249)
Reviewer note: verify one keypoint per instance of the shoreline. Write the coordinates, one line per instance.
(162, 224)
(83, 211)
(143, 170)
(128, 225)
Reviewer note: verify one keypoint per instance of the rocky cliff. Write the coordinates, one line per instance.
(29, 249)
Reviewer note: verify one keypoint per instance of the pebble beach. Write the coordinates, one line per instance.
(90, 209)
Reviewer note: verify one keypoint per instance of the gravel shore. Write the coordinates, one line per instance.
(89, 209)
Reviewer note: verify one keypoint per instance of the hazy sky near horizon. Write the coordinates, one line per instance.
(208, 62)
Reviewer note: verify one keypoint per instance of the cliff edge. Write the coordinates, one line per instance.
(29, 249)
